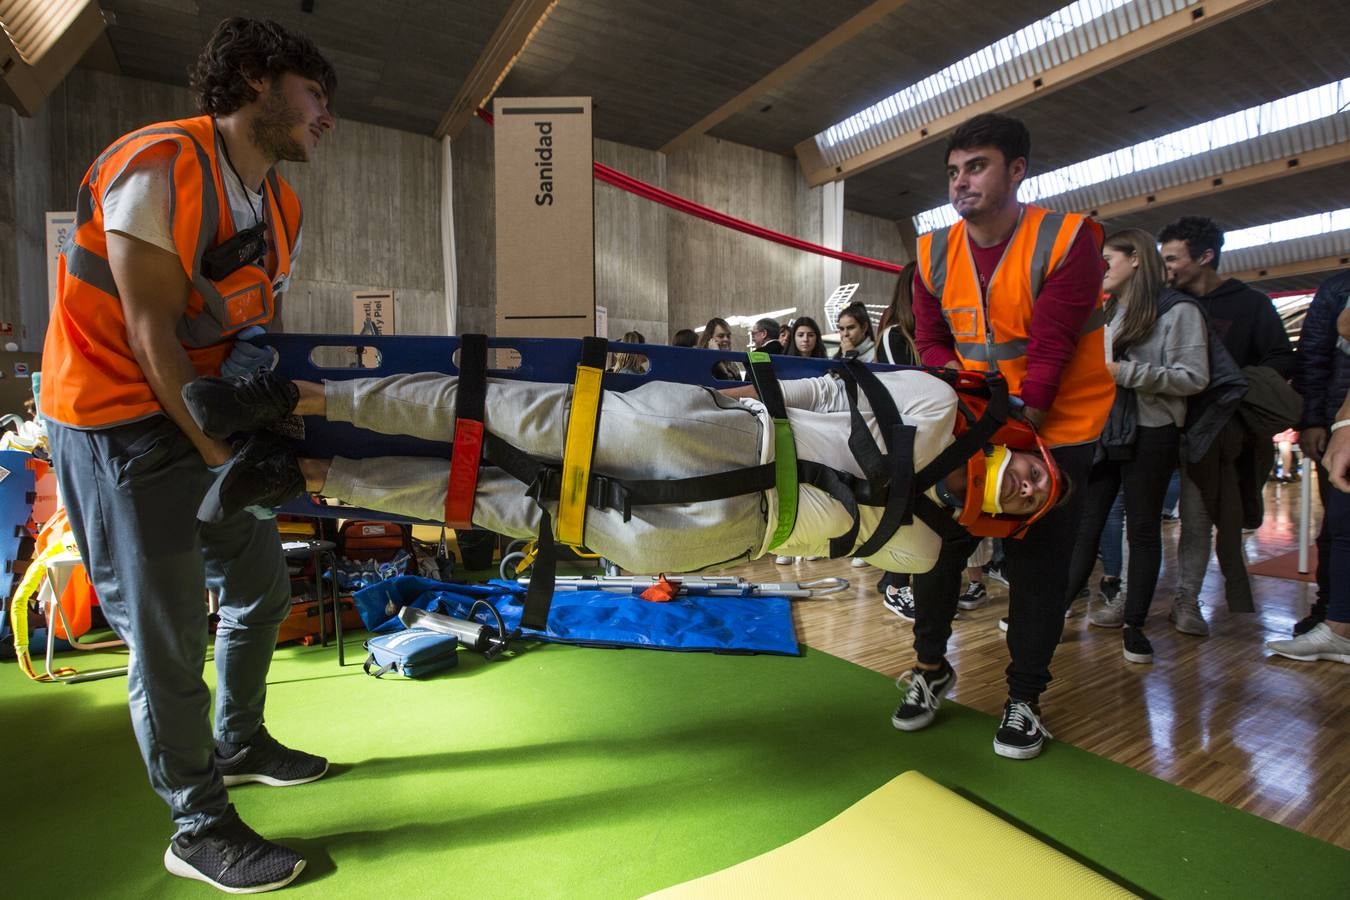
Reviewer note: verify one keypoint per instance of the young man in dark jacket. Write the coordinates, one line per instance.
(1322, 376)
(1224, 487)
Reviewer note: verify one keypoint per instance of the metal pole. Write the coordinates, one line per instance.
(1304, 514)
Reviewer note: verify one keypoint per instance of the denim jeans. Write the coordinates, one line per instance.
(1111, 547)
(131, 494)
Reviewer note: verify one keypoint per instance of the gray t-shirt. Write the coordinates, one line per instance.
(137, 204)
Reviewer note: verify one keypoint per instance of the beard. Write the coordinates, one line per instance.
(272, 128)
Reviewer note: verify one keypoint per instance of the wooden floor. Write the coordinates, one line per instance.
(1219, 716)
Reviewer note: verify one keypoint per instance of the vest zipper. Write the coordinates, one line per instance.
(992, 362)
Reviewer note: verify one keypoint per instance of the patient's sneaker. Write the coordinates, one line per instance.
(783, 560)
(1319, 643)
(263, 472)
(222, 406)
(858, 562)
(974, 596)
(923, 695)
(233, 857)
(1020, 735)
(266, 761)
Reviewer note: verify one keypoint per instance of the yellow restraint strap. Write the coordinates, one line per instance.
(578, 451)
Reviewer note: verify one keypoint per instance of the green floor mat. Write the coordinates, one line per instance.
(570, 772)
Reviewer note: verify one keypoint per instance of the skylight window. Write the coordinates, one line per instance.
(33, 26)
(1245, 125)
(1065, 34)
(1288, 230)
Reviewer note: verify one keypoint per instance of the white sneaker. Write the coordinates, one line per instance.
(858, 562)
(782, 560)
(1319, 643)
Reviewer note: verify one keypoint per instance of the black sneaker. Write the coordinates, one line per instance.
(1136, 647)
(923, 695)
(973, 597)
(233, 857)
(1021, 734)
(222, 406)
(263, 472)
(266, 761)
(899, 600)
(1309, 622)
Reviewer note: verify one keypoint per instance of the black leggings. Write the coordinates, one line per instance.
(1145, 479)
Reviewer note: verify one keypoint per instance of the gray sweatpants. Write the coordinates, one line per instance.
(658, 430)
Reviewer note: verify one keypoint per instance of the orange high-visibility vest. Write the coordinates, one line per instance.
(90, 378)
(992, 327)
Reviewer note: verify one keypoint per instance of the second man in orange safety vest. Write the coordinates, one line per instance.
(1013, 288)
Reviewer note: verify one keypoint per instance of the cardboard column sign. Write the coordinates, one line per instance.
(545, 217)
(60, 225)
(372, 313)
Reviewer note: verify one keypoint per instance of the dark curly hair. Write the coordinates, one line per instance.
(247, 48)
(1199, 233)
(1006, 134)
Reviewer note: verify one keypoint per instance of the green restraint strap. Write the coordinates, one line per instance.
(784, 448)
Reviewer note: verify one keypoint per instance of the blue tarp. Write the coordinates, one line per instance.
(599, 618)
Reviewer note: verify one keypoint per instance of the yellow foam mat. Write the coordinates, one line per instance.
(909, 838)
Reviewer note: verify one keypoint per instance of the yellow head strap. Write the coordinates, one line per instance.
(995, 464)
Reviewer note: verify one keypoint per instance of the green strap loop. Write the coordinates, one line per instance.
(784, 448)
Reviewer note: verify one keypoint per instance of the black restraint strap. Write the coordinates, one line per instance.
(894, 471)
(899, 509)
(604, 492)
(539, 596)
(842, 487)
(471, 392)
(938, 518)
(972, 440)
(871, 461)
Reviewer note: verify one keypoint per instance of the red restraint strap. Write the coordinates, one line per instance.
(470, 398)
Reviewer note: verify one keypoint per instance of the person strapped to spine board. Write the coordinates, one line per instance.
(688, 477)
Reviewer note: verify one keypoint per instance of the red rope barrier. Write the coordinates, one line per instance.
(615, 178)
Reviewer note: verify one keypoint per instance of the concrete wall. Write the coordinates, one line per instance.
(878, 239)
(719, 272)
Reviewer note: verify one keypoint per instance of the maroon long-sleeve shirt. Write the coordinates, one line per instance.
(1061, 310)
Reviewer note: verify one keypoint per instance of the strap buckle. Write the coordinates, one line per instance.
(609, 493)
